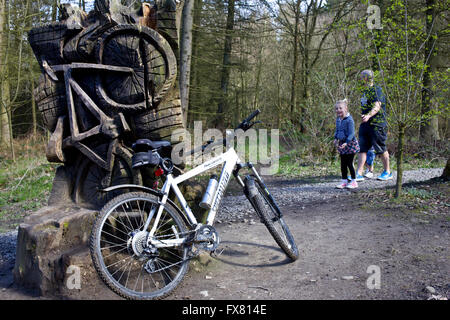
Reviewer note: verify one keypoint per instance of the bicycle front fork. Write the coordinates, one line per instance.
(267, 195)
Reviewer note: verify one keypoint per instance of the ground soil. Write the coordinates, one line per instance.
(337, 246)
(339, 238)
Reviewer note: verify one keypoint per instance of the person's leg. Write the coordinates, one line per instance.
(370, 159)
(362, 157)
(344, 166)
(369, 164)
(381, 150)
(385, 159)
(365, 145)
(351, 157)
(344, 173)
(352, 184)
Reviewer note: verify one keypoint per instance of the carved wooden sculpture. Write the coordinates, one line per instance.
(109, 78)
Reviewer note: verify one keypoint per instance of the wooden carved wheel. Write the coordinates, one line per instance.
(91, 179)
(150, 57)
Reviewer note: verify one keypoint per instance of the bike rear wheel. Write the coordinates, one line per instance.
(120, 253)
(270, 217)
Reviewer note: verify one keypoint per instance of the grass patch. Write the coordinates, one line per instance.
(25, 183)
(424, 200)
(295, 164)
(292, 165)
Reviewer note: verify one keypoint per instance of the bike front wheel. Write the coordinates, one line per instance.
(121, 254)
(276, 225)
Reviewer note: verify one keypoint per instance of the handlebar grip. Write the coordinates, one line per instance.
(254, 114)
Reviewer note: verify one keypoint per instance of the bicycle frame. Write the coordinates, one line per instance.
(106, 126)
(229, 160)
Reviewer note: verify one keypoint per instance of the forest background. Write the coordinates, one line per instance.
(292, 59)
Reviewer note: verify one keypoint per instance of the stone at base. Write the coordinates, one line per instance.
(52, 255)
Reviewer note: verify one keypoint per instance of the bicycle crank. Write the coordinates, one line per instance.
(206, 238)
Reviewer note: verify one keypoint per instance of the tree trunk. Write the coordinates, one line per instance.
(223, 107)
(195, 74)
(10, 130)
(295, 63)
(258, 78)
(54, 10)
(4, 119)
(4, 84)
(186, 55)
(33, 109)
(430, 130)
(2, 28)
(305, 92)
(401, 143)
(178, 16)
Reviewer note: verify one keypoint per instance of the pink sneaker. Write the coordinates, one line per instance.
(342, 185)
(352, 185)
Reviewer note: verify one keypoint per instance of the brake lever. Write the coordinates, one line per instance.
(251, 124)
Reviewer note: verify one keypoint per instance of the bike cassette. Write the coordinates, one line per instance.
(206, 238)
(136, 245)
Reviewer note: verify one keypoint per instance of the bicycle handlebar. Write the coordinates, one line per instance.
(245, 125)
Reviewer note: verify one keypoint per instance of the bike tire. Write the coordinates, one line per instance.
(277, 226)
(50, 97)
(104, 230)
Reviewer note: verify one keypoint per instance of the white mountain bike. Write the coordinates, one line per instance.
(141, 242)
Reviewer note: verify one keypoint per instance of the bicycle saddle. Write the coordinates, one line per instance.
(144, 145)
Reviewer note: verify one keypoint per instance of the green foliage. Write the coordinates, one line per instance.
(24, 180)
(26, 183)
(402, 57)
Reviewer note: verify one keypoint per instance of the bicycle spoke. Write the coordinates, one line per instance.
(113, 244)
(107, 224)
(115, 253)
(128, 218)
(129, 262)
(120, 221)
(121, 247)
(169, 251)
(113, 264)
(109, 234)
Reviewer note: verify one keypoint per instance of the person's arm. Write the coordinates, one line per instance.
(336, 130)
(351, 130)
(373, 112)
(379, 97)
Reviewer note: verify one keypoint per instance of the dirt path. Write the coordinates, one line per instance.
(337, 246)
(338, 239)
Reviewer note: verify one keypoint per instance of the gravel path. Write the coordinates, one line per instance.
(296, 191)
(7, 257)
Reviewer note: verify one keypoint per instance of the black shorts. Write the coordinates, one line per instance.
(372, 136)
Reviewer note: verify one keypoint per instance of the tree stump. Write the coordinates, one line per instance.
(52, 251)
(109, 78)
